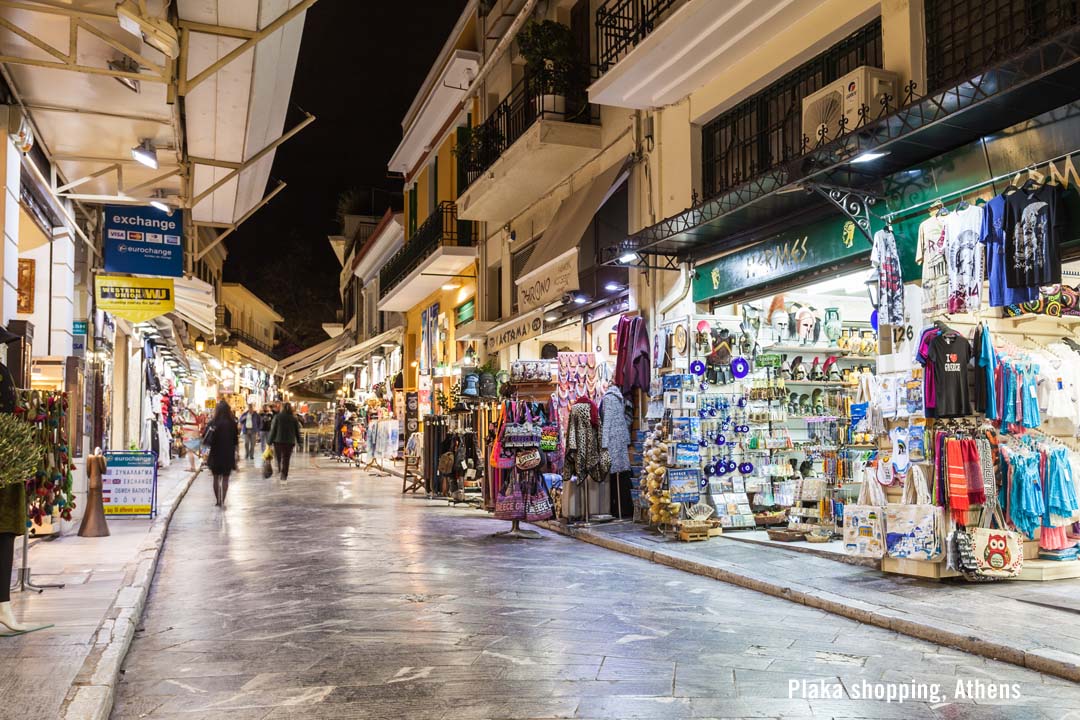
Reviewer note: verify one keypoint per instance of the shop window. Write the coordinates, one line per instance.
(964, 37)
(765, 130)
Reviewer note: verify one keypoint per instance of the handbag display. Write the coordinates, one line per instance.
(528, 459)
(501, 457)
(985, 553)
(864, 522)
(538, 505)
(522, 434)
(915, 531)
(511, 504)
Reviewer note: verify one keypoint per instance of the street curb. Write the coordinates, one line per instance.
(1044, 660)
(92, 692)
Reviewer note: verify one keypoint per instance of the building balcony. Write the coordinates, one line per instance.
(654, 53)
(443, 246)
(239, 336)
(528, 144)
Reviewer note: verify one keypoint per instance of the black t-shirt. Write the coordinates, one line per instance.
(1036, 225)
(950, 352)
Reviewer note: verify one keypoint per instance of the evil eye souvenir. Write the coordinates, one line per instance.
(697, 368)
(720, 440)
(740, 368)
(742, 402)
(731, 465)
(742, 429)
(746, 468)
(721, 467)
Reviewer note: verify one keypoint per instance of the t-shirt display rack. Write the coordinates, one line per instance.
(985, 267)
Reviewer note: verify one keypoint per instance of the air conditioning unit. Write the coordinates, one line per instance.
(863, 86)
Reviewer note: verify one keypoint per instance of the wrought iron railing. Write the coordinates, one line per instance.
(622, 24)
(250, 340)
(763, 132)
(441, 228)
(964, 37)
(526, 103)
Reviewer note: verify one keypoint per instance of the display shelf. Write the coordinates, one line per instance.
(820, 384)
(819, 350)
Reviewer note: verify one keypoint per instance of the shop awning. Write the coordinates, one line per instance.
(195, 303)
(353, 355)
(313, 356)
(552, 269)
(1043, 77)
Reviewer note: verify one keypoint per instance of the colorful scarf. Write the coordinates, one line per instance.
(973, 471)
(957, 481)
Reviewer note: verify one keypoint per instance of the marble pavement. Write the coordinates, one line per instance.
(332, 596)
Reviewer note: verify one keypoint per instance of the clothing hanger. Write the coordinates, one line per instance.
(962, 205)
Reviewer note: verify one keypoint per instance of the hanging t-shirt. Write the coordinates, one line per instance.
(950, 353)
(986, 362)
(1037, 221)
(964, 259)
(993, 234)
(890, 284)
(930, 253)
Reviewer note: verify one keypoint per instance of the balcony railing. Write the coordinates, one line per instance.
(526, 103)
(442, 227)
(249, 340)
(622, 24)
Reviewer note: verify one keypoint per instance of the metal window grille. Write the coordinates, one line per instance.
(964, 37)
(765, 130)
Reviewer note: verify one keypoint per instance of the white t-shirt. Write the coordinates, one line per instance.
(964, 258)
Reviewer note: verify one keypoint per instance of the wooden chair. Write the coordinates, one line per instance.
(412, 481)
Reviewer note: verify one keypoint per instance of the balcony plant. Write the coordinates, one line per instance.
(551, 64)
(477, 146)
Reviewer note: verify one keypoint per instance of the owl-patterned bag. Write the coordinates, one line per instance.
(999, 553)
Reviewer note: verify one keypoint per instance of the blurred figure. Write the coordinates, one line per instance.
(222, 440)
(285, 436)
(251, 426)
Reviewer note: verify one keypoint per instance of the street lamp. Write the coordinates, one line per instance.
(873, 288)
(200, 343)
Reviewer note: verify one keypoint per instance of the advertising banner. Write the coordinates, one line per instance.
(129, 485)
(144, 241)
(134, 299)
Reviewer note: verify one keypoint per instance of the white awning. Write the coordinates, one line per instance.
(313, 356)
(195, 303)
(552, 270)
(353, 355)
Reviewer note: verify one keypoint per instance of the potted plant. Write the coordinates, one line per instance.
(551, 61)
(477, 143)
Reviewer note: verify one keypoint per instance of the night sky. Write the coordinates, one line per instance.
(361, 64)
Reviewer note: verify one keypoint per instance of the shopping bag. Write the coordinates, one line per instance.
(538, 505)
(268, 468)
(915, 531)
(997, 553)
(510, 505)
(864, 522)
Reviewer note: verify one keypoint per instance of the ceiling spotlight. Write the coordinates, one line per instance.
(157, 200)
(613, 286)
(158, 34)
(628, 258)
(552, 316)
(450, 286)
(145, 153)
(868, 157)
(126, 64)
(580, 299)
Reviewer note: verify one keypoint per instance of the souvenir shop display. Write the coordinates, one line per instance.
(518, 464)
(582, 382)
(50, 491)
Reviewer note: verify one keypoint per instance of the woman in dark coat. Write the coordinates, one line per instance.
(222, 437)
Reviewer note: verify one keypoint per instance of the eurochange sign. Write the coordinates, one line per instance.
(144, 241)
(781, 257)
(517, 330)
(134, 299)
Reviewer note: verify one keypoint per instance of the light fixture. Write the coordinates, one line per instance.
(873, 288)
(145, 153)
(414, 364)
(627, 258)
(158, 34)
(613, 286)
(157, 201)
(868, 156)
(552, 316)
(450, 286)
(580, 299)
(128, 65)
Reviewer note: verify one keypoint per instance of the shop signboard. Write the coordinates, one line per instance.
(78, 327)
(783, 256)
(129, 484)
(144, 241)
(550, 282)
(768, 360)
(134, 299)
(517, 330)
(412, 413)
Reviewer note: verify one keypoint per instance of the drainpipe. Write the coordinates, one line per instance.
(678, 292)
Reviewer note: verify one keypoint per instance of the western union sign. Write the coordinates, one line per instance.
(134, 299)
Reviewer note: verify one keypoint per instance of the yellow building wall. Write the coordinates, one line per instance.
(422, 209)
(447, 169)
(448, 300)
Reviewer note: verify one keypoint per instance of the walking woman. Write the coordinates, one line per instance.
(285, 435)
(222, 437)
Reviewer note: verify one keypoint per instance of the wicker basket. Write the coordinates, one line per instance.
(813, 538)
(784, 535)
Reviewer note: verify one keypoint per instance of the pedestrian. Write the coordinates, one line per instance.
(250, 426)
(265, 418)
(285, 435)
(222, 439)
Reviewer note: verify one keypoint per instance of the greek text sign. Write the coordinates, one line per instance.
(522, 328)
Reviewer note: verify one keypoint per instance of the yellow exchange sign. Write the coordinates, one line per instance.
(134, 299)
